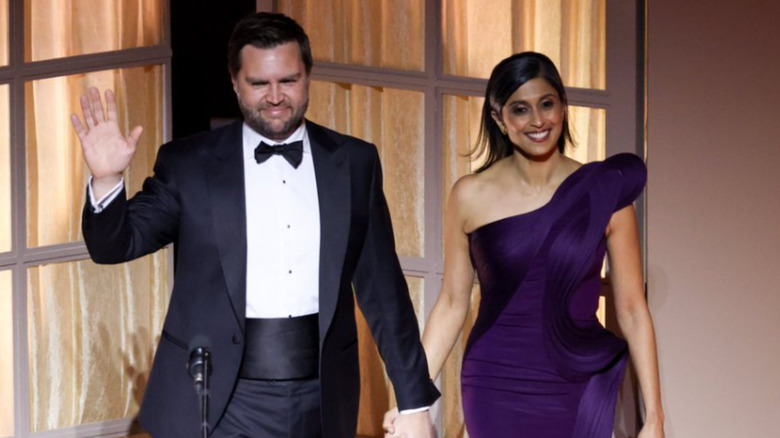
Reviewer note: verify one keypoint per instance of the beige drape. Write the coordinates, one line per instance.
(60, 28)
(388, 34)
(393, 120)
(91, 329)
(479, 33)
(56, 175)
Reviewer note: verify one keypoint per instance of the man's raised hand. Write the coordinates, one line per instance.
(106, 151)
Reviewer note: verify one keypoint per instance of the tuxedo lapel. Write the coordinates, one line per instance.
(331, 169)
(226, 195)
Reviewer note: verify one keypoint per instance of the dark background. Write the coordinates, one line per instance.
(202, 94)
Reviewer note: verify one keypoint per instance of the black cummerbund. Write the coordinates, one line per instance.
(281, 348)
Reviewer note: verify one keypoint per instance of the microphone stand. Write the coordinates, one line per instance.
(199, 366)
(204, 396)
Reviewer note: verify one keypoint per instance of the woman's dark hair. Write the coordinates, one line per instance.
(507, 76)
(265, 30)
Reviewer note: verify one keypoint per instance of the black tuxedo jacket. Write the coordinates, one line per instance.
(196, 201)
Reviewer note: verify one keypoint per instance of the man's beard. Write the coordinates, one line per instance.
(255, 121)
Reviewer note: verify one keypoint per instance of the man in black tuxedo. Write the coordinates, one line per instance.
(273, 221)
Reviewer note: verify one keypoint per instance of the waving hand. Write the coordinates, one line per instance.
(106, 151)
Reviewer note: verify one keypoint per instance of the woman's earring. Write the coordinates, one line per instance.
(502, 129)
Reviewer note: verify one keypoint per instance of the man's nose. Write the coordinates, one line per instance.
(275, 95)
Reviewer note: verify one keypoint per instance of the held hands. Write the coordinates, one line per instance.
(416, 425)
(106, 151)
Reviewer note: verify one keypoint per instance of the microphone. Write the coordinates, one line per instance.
(199, 364)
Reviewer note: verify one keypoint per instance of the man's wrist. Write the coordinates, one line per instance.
(414, 410)
(98, 204)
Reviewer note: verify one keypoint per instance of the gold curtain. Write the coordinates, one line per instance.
(60, 28)
(477, 34)
(56, 174)
(393, 120)
(91, 329)
(373, 33)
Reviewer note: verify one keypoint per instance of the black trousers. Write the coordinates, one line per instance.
(272, 409)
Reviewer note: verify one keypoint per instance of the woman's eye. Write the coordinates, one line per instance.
(548, 104)
(519, 110)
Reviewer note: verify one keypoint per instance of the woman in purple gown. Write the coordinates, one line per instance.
(535, 225)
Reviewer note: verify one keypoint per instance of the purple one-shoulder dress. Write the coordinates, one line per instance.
(538, 363)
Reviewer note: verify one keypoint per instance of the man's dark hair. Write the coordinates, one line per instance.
(266, 30)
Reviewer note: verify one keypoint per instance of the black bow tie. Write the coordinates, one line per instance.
(292, 152)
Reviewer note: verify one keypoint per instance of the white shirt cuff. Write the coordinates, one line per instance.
(414, 411)
(102, 203)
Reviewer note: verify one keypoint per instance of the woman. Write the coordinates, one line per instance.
(535, 225)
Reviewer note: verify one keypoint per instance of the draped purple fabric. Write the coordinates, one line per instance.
(538, 363)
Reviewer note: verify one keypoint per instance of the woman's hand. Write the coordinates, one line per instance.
(388, 424)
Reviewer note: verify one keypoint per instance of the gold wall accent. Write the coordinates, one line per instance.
(92, 331)
(357, 32)
(477, 34)
(61, 28)
(56, 173)
(393, 120)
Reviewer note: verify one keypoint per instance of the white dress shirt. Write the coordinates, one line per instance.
(283, 231)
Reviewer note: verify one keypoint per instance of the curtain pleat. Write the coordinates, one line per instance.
(92, 329)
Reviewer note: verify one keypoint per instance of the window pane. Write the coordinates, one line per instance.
(589, 131)
(4, 29)
(372, 33)
(60, 28)
(392, 119)
(6, 356)
(56, 174)
(92, 330)
(5, 172)
(571, 32)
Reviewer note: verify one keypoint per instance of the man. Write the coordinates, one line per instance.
(269, 240)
